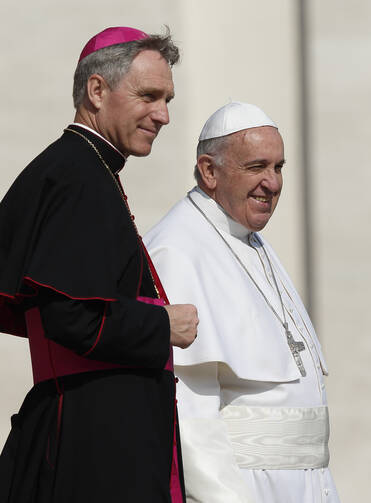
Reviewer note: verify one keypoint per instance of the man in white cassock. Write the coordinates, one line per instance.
(251, 394)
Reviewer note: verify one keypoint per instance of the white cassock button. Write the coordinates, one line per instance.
(323, 470)
(326, 492)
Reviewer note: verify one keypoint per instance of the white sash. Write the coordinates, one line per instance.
(278, 438)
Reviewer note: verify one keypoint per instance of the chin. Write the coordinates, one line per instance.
(259, 226)
(141, 151)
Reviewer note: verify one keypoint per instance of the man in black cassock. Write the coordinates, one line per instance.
(100, 423)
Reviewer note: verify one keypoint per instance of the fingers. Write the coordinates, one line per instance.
(183, 324)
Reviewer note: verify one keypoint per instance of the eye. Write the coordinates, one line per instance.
(255, 168)
(278, 168)
(148, 97)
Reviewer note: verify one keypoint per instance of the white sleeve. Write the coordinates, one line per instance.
(210, 469)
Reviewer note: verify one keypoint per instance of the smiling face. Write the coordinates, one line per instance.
(249, 181)
(131, 115)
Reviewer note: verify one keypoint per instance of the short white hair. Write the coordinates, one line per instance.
(214, 147)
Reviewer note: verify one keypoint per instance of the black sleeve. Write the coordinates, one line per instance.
(125, 332)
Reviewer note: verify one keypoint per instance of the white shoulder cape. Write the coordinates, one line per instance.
(236, 326)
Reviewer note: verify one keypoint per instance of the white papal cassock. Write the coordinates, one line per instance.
(253, 428)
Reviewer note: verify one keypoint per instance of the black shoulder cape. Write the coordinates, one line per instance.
(64, 225)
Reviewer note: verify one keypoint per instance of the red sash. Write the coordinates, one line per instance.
(51, 360)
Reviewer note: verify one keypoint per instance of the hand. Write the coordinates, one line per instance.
(183, 324)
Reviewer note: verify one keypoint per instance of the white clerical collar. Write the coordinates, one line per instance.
(218, 215)
(100, 136)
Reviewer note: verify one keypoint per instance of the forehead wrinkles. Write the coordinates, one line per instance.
(248, 144)
(149, 66)
(264, 142)
(238, 146)
(256, 137)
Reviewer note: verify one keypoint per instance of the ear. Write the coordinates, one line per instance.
(206, 168)
(96, 89)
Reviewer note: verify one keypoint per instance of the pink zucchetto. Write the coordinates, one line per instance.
(111, 36)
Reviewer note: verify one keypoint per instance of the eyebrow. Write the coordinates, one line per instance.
(264, 161)
(156, 90)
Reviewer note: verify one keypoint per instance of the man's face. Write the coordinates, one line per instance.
(133, 113)
(249, 183)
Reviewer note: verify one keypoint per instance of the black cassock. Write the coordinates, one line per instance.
(68, 247)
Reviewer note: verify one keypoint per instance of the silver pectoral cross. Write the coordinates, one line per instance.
(295, 347)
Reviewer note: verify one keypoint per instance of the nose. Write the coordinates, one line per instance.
(161, 113)
(272, 180)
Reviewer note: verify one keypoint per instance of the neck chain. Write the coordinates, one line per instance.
(122, 194)
(295, 346)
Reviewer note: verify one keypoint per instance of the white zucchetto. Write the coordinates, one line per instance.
(233, 117)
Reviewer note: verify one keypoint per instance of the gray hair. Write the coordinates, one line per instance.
(114, 61)
(215, 148)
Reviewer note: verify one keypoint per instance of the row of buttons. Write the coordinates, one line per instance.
(326, 491)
